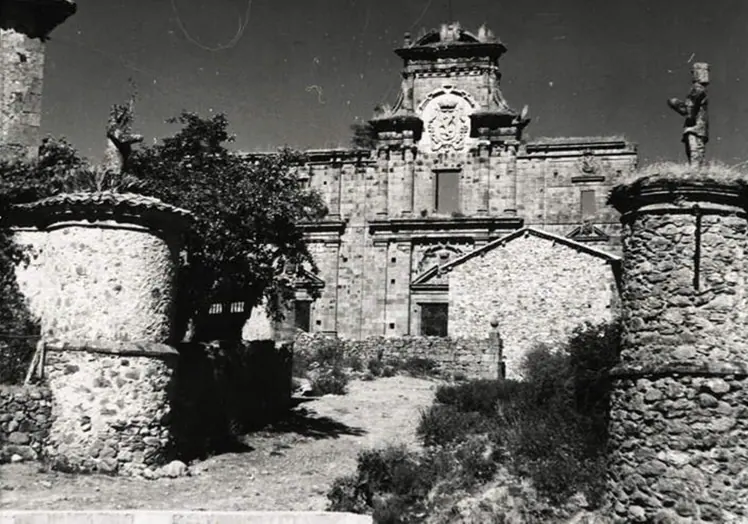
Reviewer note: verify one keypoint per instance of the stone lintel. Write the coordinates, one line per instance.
(132, 349)
(587, 179)
(324, 227)
(458, 225)
(623, 371)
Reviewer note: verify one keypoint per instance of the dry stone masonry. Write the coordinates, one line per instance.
(108, 266)
(468, 357)
(25, 419)
(679, 412)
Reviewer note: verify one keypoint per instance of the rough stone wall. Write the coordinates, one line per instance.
(472, 357)
(107, 282)
(669, 318)
(111, 412)
(31, 278)
(21, 77)
(25, 419)
(680, 450)
(679, 417)
(538, 290)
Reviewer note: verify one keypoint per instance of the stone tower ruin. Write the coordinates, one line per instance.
(679, 408)
(24, 28)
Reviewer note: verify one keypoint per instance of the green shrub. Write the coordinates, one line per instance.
(440, 425)
(329, 381)
(550, 428)
(375, 367)
(480, 395)
(324, 364)
(421, 367)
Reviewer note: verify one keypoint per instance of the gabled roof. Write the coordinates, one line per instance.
(425, 279)
(525, 231)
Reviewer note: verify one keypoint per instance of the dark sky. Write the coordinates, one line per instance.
(302, 71)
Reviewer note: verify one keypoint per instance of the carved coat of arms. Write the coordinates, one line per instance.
(448, 127)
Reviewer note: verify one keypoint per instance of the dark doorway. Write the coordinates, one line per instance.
(434, 319)
(303, 315)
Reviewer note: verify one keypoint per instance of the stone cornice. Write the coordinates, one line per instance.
(578, 147)
(410, 229)
(326, 156)
(103, 206)
(493, 50)
(679, 195)
(324, 226)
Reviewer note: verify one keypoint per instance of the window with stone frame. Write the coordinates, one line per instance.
(447, 191)
(588, 203)
(434, 319)
(303, 315)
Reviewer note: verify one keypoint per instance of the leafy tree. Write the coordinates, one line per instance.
(24, 181)
(246, 239)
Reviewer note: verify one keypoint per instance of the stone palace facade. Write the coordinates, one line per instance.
(449, 173)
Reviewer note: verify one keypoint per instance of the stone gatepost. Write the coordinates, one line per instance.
(679, 407)
(109, 265)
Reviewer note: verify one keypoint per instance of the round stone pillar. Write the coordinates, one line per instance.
(679, 407)
(106, 307)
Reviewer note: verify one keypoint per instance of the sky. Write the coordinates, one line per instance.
(300, 72)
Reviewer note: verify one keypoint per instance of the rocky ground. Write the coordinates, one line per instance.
(287, 467)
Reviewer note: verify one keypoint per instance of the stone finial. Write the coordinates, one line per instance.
(485, 34)
(449, 32)
(695, 110)
(494, 322)
(120, 139)
(406, 40)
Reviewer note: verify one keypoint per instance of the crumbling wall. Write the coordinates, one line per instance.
(469, 357)
(25, 419)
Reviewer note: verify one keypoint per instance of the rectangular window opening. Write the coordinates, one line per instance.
(589, 207)
(434, 319)
(447, 192)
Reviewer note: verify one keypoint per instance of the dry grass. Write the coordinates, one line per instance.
(289, 466)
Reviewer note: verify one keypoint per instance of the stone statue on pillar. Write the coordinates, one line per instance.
(120, 139)
(695, 109)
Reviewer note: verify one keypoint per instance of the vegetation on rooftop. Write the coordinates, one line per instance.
(712, 172)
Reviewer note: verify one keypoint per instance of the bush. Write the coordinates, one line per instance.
(421, 367)
(324, 365)
(329, 381)
(550, 428)
(480, 395)
(375, 367)
(440, 425)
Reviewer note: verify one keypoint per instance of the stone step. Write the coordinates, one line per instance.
(181, 517)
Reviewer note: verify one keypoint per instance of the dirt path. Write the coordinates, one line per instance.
(287, 468)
